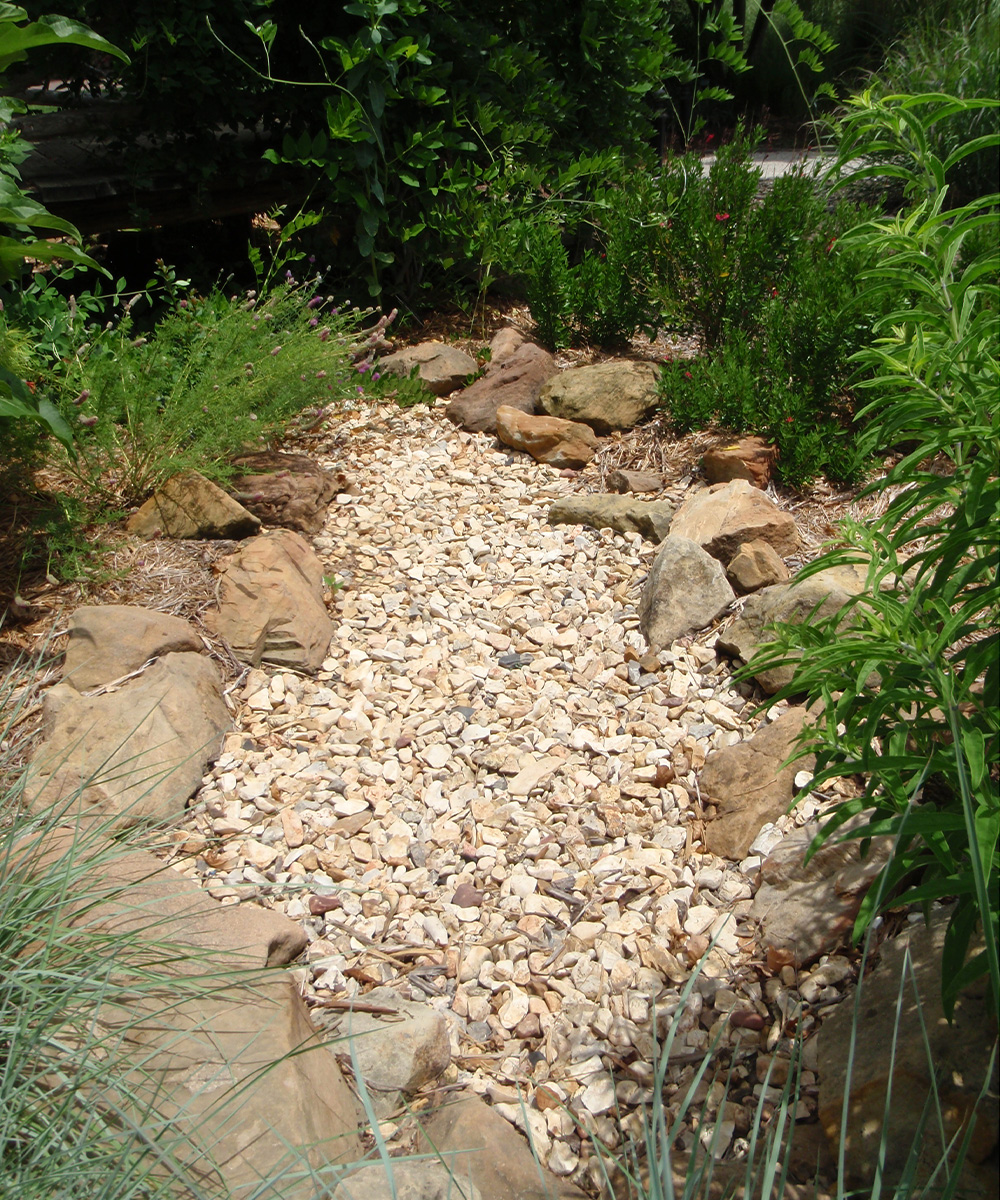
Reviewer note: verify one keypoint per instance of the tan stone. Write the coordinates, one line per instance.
(756, 565)
(547, 439)
(137, 753)
(635, 481)
(190, 506)
(482, 1148)
(617, 394)
(228, 1075)
(894, 1023)
(723, 517)
(685, 590)
(750, 785)
(441, 367)
(651, 518)
(271, 603)
(108, 641)
(749, 458)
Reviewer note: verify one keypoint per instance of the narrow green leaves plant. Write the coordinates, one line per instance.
(909, 683)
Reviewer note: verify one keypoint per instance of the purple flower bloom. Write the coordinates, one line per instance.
(376, 375)
(313, 322)
(315, 302)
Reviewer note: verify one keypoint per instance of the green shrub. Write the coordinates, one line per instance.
(909, 686)
(774, 291)
(217, 375)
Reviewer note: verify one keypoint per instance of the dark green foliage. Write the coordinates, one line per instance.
(777, 300)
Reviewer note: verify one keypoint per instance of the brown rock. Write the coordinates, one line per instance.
(620, 513)
(515, 381)
(547, 439)
(959, 1051)
(480, 1146)
(750, 785)
(617, 394)
(214, 1054)
(135, 754)
(756, 565)
(808, 909)
(287, 490)
(504, 344)
(405, 1179)
(271, 603)
(686, 589)
(190, 506)
(721, 518)
(635, 481)
(750, 458)
(108, 641)
(441, 367)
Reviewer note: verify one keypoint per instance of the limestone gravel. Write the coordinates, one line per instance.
(487, 796)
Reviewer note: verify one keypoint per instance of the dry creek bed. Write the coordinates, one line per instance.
(488, 799)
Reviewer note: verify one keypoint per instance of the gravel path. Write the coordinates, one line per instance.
(488, 795)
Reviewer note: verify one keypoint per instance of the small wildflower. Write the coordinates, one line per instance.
(215, 387)
(248, 366)
(251, 303)
(360, 391)
(363, 366)
(774, 293)
(313, 322)
(252, 417)
(204, 408)
(312, 259)
(320, 374)
(687, 374)
(276, 350)
(789, 420)
(324, 334)
(256, 317)
(376, 375)
(83, 397)
(183, 303)
(722, 216)
(302, 379)
(315, 302)
(251, 295)
(30, 384)
(86, 422)
(268, 316)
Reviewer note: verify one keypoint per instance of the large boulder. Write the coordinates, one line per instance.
(108, 641)
(751, 785)
(482, 1148)
(620, 513)
(442, 368)
(190, 506)
(135, 753)
(288, 490)
(722, 517)
(806, 909)
(897, 1048)
(808, 599)
(606, 396)
(685, 590)
(749, 458)
(514, 380)
(271, 603)
(547, 439)
(228, 1075)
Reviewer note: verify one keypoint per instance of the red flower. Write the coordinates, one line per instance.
(789, 420)
(722, 216)
(30, 385)
(687, 374)
(774, 293)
